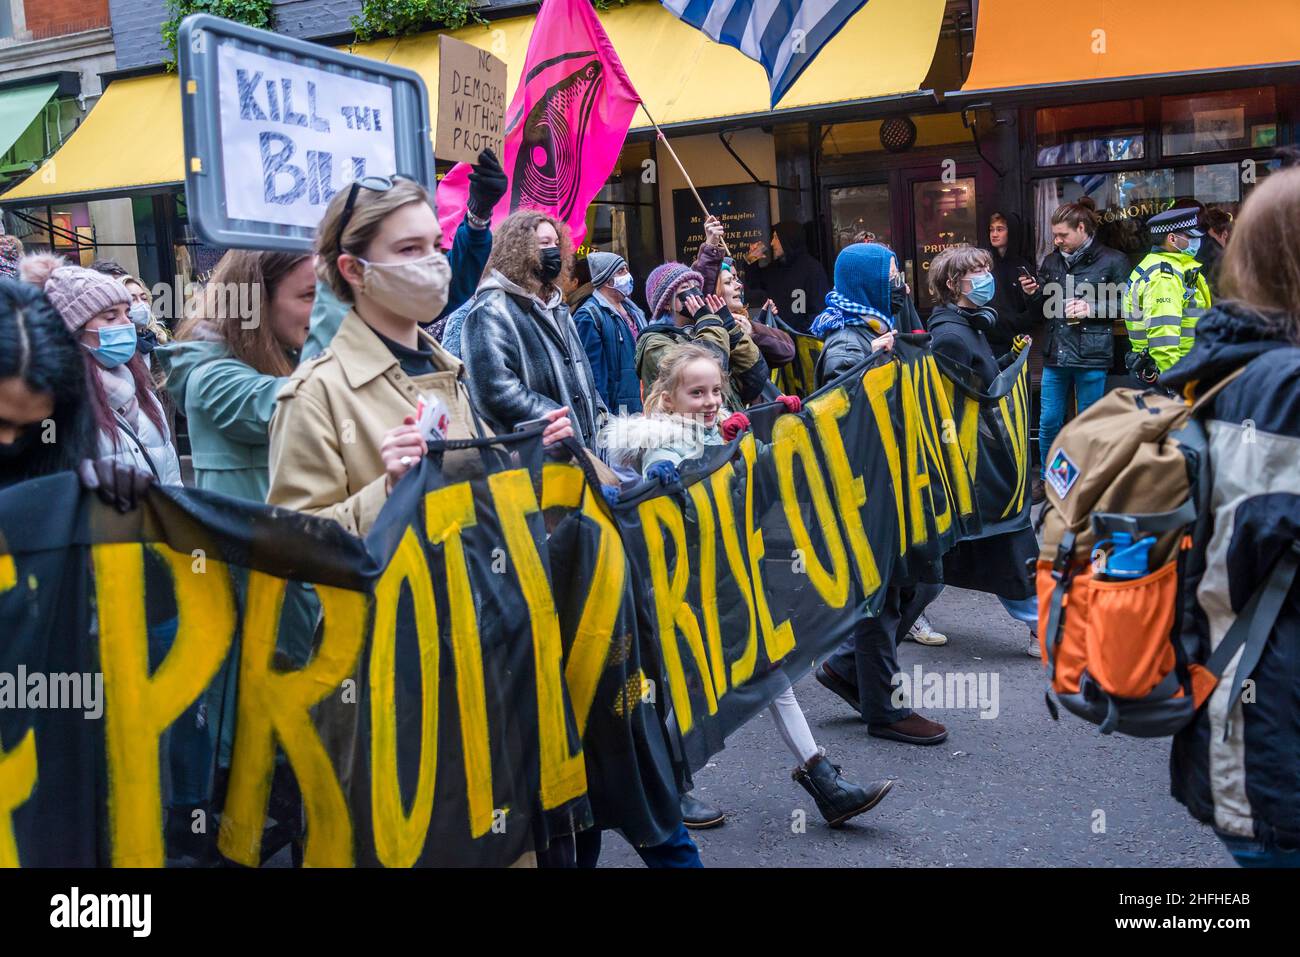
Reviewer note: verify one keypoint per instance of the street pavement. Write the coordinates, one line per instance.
(1015, 790)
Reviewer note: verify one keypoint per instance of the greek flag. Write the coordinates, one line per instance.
(783, 35)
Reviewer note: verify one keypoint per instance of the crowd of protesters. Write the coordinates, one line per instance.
(315, 407)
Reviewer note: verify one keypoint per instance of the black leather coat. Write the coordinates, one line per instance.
(1099, 276)
(522, 364)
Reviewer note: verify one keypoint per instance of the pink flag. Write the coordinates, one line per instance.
(565, 126)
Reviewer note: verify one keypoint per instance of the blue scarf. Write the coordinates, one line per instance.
(841, 311)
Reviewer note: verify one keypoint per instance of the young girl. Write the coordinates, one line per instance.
(684, 416)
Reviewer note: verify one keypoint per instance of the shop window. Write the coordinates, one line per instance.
(1090, 133)
(944, 214)
(1126, 200)
(858, 213)
(1226, 120)
(621, 218)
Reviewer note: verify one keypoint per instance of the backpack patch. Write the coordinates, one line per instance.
(1062, 473)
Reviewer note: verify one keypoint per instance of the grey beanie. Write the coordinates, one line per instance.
(603, 266)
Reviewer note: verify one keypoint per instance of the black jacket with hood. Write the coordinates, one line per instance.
(1009, 301)
(1237, 766)
(1099, 276)
(796, 271)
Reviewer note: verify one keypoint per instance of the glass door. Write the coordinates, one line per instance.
(860, 213)
(943, 216)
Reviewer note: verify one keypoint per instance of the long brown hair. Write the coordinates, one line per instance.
(1082, 212)
(1261, 266)
(515, 254)
(244, 277)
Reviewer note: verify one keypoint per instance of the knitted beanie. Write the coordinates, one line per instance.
(77, 294)
(664, 281)
(603, 265)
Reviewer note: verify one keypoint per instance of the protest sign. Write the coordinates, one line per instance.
(494, 663)
(471, 101)
(274, 127)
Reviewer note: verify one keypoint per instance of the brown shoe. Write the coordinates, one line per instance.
(914, 729)
(1037, 493)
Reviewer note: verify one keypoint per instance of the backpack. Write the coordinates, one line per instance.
(1128, 491)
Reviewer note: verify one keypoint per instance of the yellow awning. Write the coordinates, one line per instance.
(132, 137)
(1072, 42)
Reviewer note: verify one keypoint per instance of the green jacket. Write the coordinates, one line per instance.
(228, 405)
(1167, 295)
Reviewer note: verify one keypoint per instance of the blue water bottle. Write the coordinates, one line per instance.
(1126, 558)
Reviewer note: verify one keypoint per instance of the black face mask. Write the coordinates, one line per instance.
(19, 447)
(552, 262)
(897, 299)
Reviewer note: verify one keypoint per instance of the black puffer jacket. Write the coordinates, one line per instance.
(961, 334)
(1237, 766)
(1099, 277)
(522, 363)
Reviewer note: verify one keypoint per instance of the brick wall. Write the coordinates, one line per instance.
(52, 18)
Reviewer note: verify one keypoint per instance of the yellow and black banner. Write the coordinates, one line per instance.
(492, 666)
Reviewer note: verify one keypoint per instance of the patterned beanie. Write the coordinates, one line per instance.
(664, 281)
(78, 294)
(603, 265)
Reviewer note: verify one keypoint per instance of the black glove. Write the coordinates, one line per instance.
(120, 485)
(487, 184)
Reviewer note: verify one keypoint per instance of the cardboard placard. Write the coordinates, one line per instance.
(471, 101)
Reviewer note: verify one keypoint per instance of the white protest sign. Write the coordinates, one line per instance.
(292, 136)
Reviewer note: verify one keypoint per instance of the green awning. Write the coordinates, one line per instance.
(18, 108)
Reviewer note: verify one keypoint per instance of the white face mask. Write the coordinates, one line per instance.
(624, 284)
(140, 315)
(415, 289)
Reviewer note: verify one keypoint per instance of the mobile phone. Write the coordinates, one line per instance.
(1026, 274)
(532, 424)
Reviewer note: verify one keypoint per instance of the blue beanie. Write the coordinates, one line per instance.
(862, 275)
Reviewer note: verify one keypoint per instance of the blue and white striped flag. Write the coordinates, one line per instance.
(783, 35)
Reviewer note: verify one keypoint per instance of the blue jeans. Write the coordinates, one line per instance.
(1088, 385)
(1022, 609)
(678, 851)
(1249, 852)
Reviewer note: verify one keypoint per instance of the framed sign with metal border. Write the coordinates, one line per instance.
(275, 126)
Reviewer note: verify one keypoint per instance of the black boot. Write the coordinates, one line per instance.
(838, 799)
(699, 816)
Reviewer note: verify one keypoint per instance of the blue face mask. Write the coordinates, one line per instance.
(981, 289)
(624, 284)
(1193, 246)
(117, 344)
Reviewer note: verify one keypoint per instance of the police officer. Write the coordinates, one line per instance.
(1167, 294)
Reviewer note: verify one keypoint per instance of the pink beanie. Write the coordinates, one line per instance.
(77, 293)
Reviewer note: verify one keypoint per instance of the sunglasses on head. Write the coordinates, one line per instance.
(379, 184)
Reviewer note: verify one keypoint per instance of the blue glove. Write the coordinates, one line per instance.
(664, 471)
(611, 493)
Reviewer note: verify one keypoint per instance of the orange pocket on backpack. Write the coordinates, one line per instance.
(1129, 650)
(1071, 651)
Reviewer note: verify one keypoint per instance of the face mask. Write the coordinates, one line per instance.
(981, 289)
(1193, 246)
(552, 262)
(897, 299)
(415, 290)
(117, 344)
(140, 315)
(624, 284)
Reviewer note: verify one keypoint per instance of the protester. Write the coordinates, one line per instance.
(1167, 294)
(523, 355)
(344, 429)
(109, 268)
(1236, 765)
(608, 323)
(721, 277)
(855, 325)
(469, 253)
(1078, 292)
(788, 275)
(1217, 224)
(684, 417)
(961, 281)
(150, 333)
(680, 312)
(226, 368)
(130, 424)
(1006, 245)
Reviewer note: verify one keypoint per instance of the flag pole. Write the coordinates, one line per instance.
(685, 175)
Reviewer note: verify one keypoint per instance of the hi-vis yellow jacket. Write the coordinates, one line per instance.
(1166, 296)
